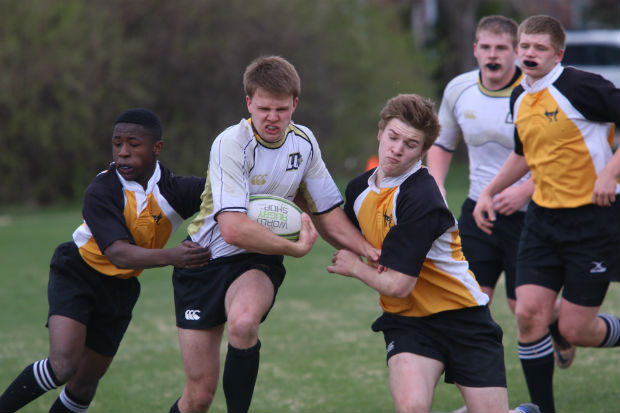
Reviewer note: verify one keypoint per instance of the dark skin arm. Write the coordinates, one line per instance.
(188, 254)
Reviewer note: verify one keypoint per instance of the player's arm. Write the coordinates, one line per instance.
(335, 227)
(238, 230)
(513, 169)
(390, 282)
(438, 163)
(513, 198)
(124, 254)
(605, 186)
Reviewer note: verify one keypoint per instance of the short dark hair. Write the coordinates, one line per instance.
(275, 74)
(543, 24)
(143, 117)
(415, 111)
(498, 24)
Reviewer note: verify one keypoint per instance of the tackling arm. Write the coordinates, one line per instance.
(389, 282)
(123, 254)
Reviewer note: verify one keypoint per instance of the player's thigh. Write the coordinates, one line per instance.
(200, 350)
(412, 381)
(485, 399)
(578, 324)
(250, 295)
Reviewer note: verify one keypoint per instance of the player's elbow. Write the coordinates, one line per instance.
(400, 292)
(117, 253)
(401, 286)
(231, 235)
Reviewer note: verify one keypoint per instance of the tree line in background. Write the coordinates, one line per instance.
(69, 68)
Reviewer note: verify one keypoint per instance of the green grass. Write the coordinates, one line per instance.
(318, 354)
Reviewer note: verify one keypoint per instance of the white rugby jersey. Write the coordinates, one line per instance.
(242, 164)
(482, 117)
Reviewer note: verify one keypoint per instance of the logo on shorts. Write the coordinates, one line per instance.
(192, 314)
(598, 267)
(390, 347)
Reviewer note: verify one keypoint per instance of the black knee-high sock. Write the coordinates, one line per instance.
(33, 381)
(240, 371)
(175, 407)
(612, 337)
(537, 362)
(68, 403)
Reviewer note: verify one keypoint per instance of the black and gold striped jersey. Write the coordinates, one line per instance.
(116, 209)
(407, 218)
(564, 128)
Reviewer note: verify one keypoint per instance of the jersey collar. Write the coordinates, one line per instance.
(391, 181)
(270, 145)
(136, 187)
(543, 82)
(506, 90)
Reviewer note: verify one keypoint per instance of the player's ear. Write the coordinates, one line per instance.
(248, 101)
(157, 147)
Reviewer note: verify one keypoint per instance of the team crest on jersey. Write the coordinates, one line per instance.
(552, 116)
(157, 218)
(470, 114)
(259, 180)
(388, 221)
(509, 119)
(294, 161)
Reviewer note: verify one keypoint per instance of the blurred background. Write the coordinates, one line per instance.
(69, 68)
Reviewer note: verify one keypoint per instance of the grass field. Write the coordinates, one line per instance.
(318, 354)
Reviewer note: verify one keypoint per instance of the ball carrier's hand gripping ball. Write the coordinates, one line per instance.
(279, 215)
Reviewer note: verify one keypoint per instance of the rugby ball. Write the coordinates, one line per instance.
(279, 215)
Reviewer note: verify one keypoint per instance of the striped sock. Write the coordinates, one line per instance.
(44, 375)
(33, 381)
(537, 362)
(612, 337)
(67, 403)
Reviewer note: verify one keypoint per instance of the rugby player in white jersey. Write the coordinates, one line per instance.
(264, 154)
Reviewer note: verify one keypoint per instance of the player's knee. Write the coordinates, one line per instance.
(64, 368)
(573, 334)
(411, 406)
(242, 327)
(199, 400)
(527, 318)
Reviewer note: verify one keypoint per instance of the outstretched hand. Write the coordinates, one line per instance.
(344, 262)
(189, 254)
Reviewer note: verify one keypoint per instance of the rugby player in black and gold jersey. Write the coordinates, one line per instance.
(564, 127)
(435, 316)
(130, 211)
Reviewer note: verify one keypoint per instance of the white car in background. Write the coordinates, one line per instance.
(596, 51)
